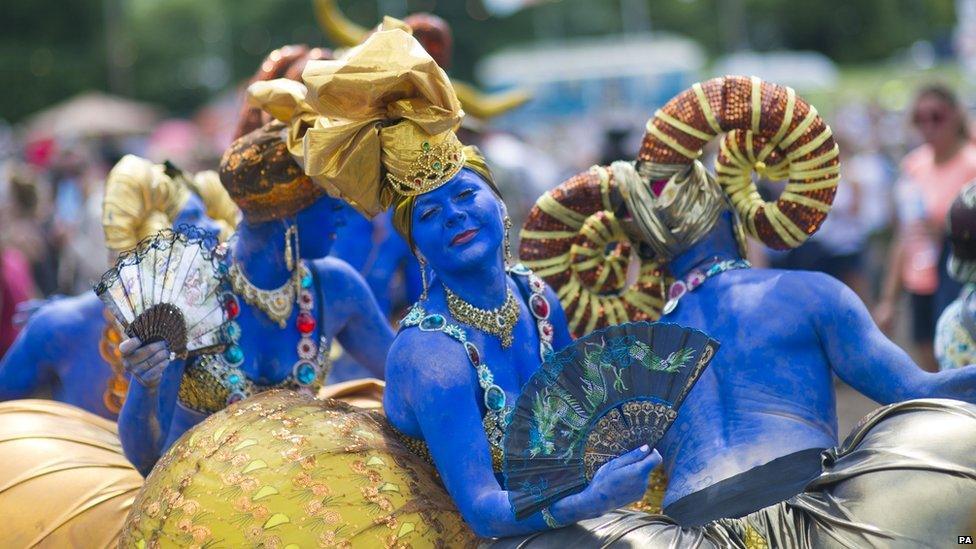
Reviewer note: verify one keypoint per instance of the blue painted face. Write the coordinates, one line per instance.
(194, 214)
(459, 224)
(317, 226)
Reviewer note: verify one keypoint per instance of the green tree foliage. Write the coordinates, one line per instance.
(180, 53)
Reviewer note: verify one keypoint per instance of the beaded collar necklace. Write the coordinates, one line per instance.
(307, 374)
(697, 276)
(498, 411)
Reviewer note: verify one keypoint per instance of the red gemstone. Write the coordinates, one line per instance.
(547, 329)
(305, 323)
(232, 307)
(540, 307)
(473, 355)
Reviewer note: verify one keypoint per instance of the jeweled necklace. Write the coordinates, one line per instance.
(497, 410)
(498, 322)
(308, 372)
(276, 303)
(698, 275)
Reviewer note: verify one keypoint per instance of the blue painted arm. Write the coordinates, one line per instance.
(864, 358)
(366, 334)
(434, 378)
(146, 417)
(22, 366)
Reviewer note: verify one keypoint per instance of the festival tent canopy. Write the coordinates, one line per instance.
(92, 114)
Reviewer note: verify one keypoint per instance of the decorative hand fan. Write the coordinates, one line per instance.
(170, 287)
(606, 394)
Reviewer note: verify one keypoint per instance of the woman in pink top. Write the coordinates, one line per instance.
(932, 176)
(16, 286)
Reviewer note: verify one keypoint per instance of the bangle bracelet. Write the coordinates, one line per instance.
(550, 520)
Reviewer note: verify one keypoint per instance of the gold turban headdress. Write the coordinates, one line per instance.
(375, 127)
(142, 198)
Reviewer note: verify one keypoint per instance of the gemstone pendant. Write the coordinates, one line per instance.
(305, 373)
(473, 354)
(677, 290)
(305, 323)
(539, 306)
(494, 398)
(231, 306)
(432, 323)
(234, 355)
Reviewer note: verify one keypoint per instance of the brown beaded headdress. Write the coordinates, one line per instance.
(263, 179)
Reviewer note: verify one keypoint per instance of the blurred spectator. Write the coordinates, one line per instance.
(25, 202)
(839, 247)
(955, 333)
(16, 286)
(931, 177)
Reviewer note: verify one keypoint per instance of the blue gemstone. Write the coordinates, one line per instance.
(232, 331)
(234, 355)
(307, 280)
(495, 398)
(432, 322)
(234, 379)
(305, 373)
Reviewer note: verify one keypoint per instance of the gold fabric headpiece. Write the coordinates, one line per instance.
(140, 200)
(220, 207)
(388, 115)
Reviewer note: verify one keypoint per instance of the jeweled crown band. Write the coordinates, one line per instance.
(435, 165)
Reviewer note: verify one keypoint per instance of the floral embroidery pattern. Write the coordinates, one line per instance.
(282, 469)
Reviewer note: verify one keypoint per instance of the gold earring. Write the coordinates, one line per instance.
(508, 243)
(423, 277)
(291, 250)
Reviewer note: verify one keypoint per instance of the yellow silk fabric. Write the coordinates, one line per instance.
(379, 104)
(64, 481)
(140, 200)
(279, 470)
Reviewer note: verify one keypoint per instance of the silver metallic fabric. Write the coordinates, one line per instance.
(904, 477)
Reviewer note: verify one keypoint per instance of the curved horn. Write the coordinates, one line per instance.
(485, 106)
(765, 124)
(337, 26)
(574, 240)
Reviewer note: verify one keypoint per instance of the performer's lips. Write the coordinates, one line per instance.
(463, 237)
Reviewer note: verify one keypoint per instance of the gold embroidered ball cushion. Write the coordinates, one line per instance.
(284, 470)
(64, 481)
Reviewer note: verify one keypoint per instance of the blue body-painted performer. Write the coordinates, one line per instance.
(291, 305)
(384, 260)
(482, 328)
(69, 344)
(754, 451)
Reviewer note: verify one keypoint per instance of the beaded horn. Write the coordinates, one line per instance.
(768, 129)
(580, 235)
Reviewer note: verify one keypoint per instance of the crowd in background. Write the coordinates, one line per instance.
(884, 237)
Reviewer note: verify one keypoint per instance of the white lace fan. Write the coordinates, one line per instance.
(170, 287)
